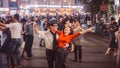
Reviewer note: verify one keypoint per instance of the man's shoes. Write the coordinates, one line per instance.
(18, 66)
(28, 58)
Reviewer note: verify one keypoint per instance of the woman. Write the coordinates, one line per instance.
(112, 29)
(64, 39)
(6, 37)
(77, 41)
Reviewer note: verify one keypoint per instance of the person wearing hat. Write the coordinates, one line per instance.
(112, 29)
(50, 38)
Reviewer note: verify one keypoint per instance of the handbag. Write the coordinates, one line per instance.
(71, 47)
(42, 42)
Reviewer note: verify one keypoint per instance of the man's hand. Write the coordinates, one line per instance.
(66, 45)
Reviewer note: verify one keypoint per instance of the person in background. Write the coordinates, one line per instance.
(5, 39)
(43, 27)
(44, 19)
(28, 38)
(16, 30)
(0, 38)
(112, 29)
(67, 22)
(119, 22)
(23, 21)
(77, 41)
(61, 23)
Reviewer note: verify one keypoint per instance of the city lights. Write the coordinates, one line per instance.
(56, 6)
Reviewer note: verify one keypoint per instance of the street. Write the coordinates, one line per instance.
(92, 55)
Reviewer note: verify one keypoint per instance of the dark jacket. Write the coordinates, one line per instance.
(5, 46)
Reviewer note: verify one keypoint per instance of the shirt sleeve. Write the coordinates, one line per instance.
(74, 35)
(59, 32)
(9, 25)
(42, 34)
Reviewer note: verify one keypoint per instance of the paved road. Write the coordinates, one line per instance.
(93, 55)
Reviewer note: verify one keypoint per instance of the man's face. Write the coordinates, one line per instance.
(45, 20)
(54, 27)
(13, 19)
(113, 21)
(61, 19)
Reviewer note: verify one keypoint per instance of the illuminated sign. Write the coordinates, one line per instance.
(13, 0)
(103, 7)
(56, 6)
(4, 9)
(13, 4)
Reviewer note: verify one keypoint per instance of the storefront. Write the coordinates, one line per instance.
(13, 7)
(4, 11)
(24, 10)
(43, 11)
(54, 9)
(52, 12)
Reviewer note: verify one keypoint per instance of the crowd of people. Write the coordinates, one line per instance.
(59, 35)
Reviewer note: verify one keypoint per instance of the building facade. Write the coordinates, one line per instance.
(4, 7)
(46, 6)
(18, 6)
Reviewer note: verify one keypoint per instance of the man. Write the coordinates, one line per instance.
(28, 38)
(61, 23)
(43, 27)
(15, 29)
(50, 42)
(112, 29)
(42, 24)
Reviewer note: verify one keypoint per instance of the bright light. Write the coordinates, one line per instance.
(81, 7)
(57, 6)
(4, 9)
(13, 0)
(24, 6)
(51, 6)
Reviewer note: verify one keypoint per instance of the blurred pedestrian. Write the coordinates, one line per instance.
(28, 38)
(5, 41)
(16, 30)
(77, 42)
(112, 29)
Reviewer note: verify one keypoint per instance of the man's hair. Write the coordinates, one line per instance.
(44, 17)
(16, 16)
(112, 18)
(23, 20)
